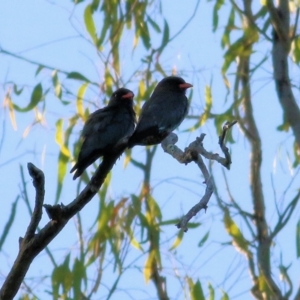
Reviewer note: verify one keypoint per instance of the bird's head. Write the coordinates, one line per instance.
(173, 83)
(121, 96)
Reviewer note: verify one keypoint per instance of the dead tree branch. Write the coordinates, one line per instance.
(33, 243)
(194, 152)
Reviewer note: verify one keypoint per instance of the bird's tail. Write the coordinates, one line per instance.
(78, 172)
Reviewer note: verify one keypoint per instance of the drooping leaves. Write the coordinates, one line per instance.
(36, 97)
(195, 288)
(89, 23)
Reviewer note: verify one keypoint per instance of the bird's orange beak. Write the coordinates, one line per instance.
(185, 85)
(128, 96)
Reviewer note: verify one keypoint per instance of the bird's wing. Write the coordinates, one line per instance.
(106, 127)
(102, 131)
(97, 122)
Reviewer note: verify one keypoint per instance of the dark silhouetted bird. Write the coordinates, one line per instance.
(162, 113)
(105, 129)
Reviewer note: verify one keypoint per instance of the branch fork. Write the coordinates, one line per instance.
(194, 152)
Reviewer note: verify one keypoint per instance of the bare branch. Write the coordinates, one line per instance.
(224, 149)
(193, 153)
(203, 202)
(39, 184)
(32, 244)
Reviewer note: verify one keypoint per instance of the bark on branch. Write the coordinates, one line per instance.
(33, 243)
(280, 17)
(194, 152)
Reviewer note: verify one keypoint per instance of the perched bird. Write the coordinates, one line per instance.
(105, 129)
(162, 113)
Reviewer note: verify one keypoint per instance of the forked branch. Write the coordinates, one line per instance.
(33, 243)
(194, 152)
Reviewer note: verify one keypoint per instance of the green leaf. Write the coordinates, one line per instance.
(10, 105)
(59, 138)
(62, 167)
(217, 7)
(197, 292)
(154, 24)
(211, 292)
(103, 191)
(219, 120)
(115, 55)
(284, 127)
(166, 36)
(39, 69)
(109, 81)
(104, 218)
(89, 22)
(95, 4)
(136, 203)
(62, 277)
(225, 41)
(64, 155)
(79, 275)
(16, 91)
(168, 222)
(296, 154)
(241, 47)
(178, 240)
(79, 101)
(104, 32)
(36, 97)
(208, 106)
(144, 33)
(204, 239)
(283, 271)
(296, 50)
(130, 216)
(151, 260)
(195, 289)
(160, 69)
(225, 296)
(77, 76)
(238, 239)
(154, 208)
(9, 223)
(136, 244)
(193, 225)
(56, 85)
(298, 239)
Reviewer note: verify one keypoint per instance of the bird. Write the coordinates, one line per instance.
(105, 129)
(162, 113)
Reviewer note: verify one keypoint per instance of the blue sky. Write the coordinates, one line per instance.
(44, 31)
